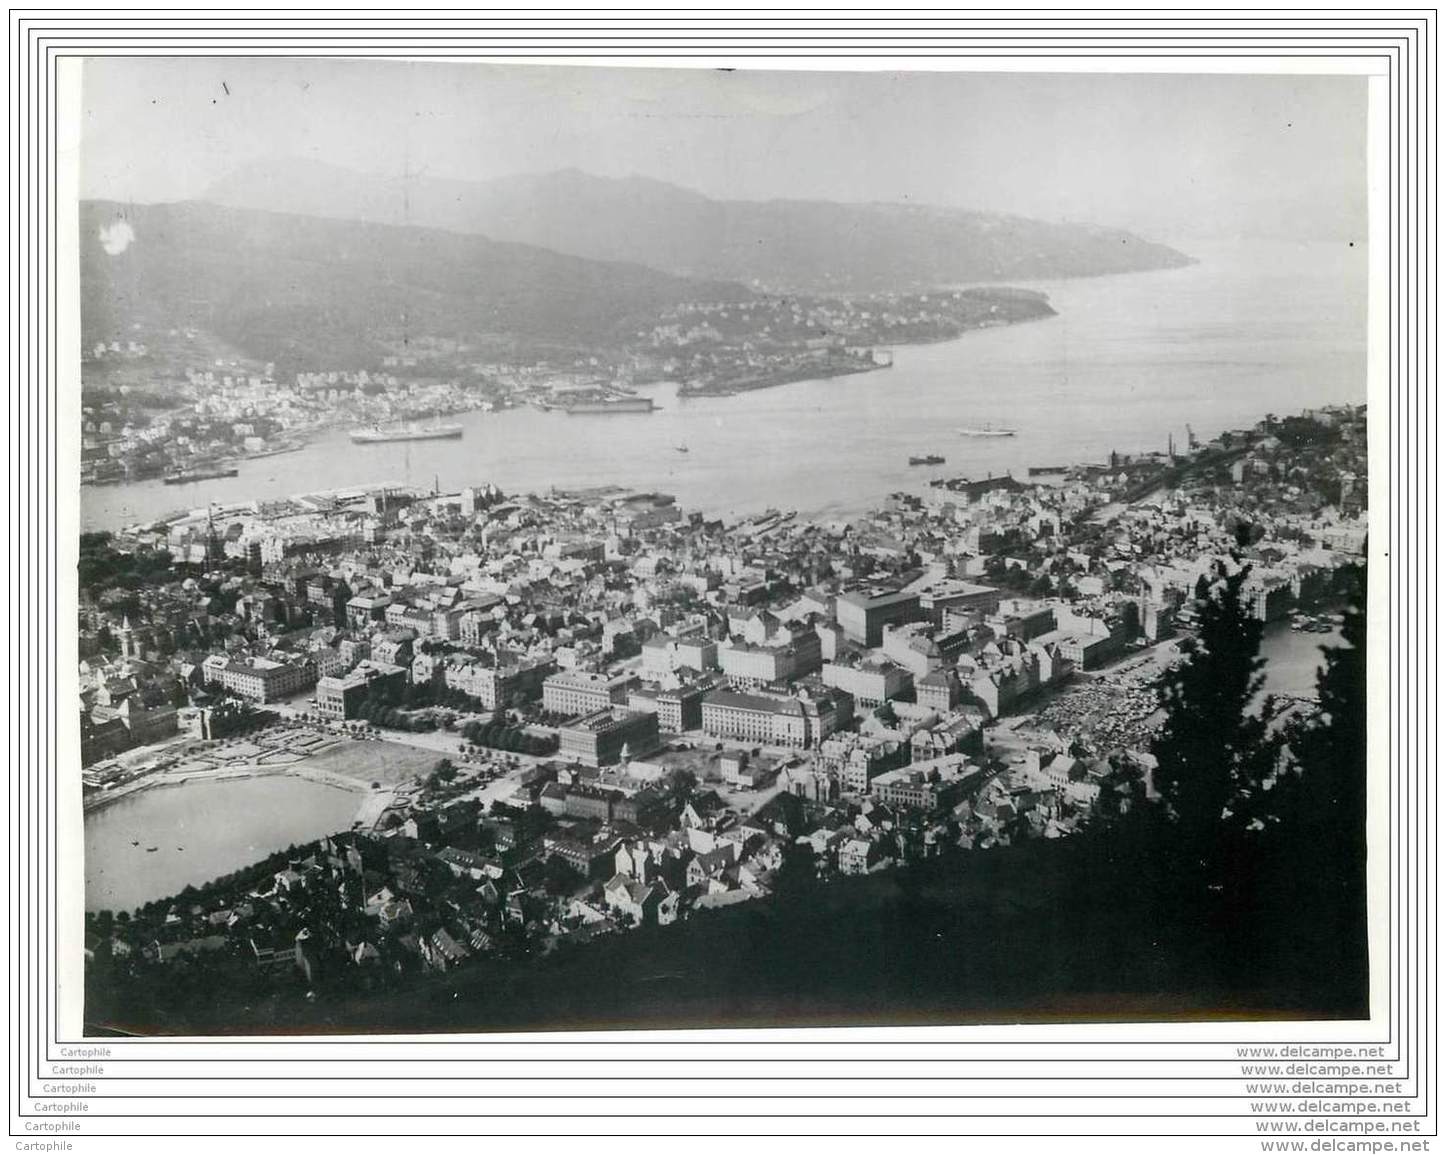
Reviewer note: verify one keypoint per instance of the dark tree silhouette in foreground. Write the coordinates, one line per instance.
(1323, 853)
(1330, 792)
(1254, 851)
(1219, 748)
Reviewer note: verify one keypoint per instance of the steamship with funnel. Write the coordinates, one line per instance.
(985, 431)
(377, 433)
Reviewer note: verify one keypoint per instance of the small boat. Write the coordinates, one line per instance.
(152, 849)
(680, 448)
(985, 431)
(927, 459)
(135, 841)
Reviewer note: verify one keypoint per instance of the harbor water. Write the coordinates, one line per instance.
(207, 828)
(1129, 361)
(202, 830)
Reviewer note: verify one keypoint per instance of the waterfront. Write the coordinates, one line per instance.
(201, 830)
(227, 823)
(1292, 659)
(1130, 359)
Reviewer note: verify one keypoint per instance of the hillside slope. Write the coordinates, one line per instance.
(794, 245)
(311, 293)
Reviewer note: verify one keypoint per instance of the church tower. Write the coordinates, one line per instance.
(127, 635)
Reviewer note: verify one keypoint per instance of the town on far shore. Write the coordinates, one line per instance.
(571, 714)
(145, 418)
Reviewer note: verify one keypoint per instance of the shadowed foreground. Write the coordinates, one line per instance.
(1064, 931)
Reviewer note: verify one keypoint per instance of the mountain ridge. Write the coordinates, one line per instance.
(310, 292)
(796, 245)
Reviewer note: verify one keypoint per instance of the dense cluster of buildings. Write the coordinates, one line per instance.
(835, 686)
(167, 404)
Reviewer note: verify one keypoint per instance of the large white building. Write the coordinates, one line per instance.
(766, 650)
(663, 654)
(339, 698)
(260, 679)
(574, 692)
(495, 686)
(770, 719)
(870, 683)
(863, 614)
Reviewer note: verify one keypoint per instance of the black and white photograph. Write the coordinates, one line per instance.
(617, 547)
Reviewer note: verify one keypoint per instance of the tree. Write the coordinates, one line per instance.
(1122, 793)
(559, 876)
(679, 788)
(1216, 750)
(1332, 747)
(1324, 804)
(797, 872)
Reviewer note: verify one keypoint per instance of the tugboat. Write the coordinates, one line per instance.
(927, 459)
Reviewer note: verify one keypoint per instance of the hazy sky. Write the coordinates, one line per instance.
(1173, 157)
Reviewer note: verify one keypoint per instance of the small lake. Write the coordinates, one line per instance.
(202, 830)
(1293, 658)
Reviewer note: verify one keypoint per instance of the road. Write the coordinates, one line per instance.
(444, 743)
(447, 743)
